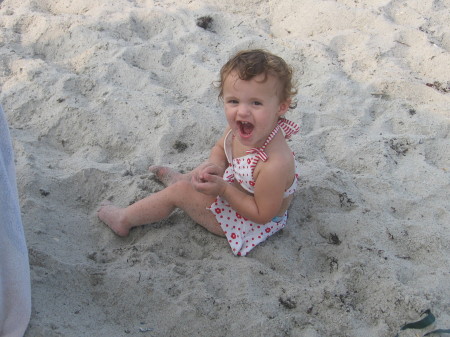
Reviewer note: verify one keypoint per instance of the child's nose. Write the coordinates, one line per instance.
(243, 110)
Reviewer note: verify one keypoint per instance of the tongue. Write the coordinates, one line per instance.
(247, 128)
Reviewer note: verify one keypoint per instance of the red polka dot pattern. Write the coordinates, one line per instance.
(242, 234)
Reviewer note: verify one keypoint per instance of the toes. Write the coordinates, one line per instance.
(103, 204)
(155, 169)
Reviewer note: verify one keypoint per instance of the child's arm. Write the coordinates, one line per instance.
(266, 202)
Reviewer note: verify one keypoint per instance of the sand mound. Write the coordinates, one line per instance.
(95, 92)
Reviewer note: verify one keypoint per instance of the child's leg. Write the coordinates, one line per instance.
(159, 206)
(168, 176)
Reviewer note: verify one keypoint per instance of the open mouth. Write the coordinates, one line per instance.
(245, 128)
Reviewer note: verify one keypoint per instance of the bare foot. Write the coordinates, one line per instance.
(166, 175)
(113, 217)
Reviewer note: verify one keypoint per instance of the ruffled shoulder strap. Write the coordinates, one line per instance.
(289, 127)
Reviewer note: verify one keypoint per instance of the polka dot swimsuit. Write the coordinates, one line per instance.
(242, 234)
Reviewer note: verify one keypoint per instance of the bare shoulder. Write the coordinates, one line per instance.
(281, 162)
(281, 152)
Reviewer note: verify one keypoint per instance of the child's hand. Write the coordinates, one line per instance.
(201, 168)
(207, 180)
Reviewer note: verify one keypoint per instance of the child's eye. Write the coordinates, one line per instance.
(233, 101)
(257, 103)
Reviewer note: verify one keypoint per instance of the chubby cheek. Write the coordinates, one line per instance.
(230, 116)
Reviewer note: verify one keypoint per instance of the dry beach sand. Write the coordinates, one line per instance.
(96, 91)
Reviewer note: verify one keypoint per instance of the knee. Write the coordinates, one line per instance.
(183, 187)
(183, 193)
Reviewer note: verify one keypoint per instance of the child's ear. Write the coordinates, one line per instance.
(284, 107)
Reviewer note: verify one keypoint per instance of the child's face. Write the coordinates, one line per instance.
(252, 107)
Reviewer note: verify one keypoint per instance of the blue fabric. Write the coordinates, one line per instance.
(9, 201)
(279, 218)
(15, 293)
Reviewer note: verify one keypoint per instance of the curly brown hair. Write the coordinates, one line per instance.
(250, 63)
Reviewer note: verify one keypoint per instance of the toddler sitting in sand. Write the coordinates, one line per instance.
(244, 189)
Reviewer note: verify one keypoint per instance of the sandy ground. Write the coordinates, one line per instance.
(96, 91)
